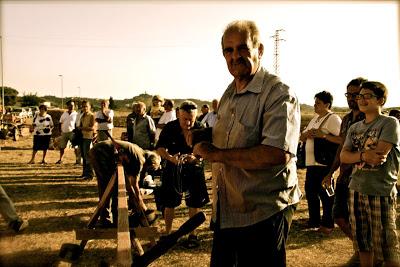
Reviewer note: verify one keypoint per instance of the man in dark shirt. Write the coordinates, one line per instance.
(183, 172)
(340, 208)
(136, 163)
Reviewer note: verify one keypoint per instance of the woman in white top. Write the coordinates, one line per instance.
(42, 125)
(324, 125)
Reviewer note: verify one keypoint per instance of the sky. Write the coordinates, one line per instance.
(172, 48)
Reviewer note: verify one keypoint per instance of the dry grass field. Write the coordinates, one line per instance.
(56, 201)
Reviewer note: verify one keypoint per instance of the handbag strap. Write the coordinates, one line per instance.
(325, 119)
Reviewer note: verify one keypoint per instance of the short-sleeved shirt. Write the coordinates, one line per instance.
(104, 126)
(172, 139)
(330, 126)
(266, 112)
(42, 124)
(345, 169)
(166, 117)
(209, 119)
(87, 120)
(67, 121)
(378, 180)
(104, 153)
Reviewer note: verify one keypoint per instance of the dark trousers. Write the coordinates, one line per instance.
(104, 170)
(87, 167)
(315, 194)
(261, 244)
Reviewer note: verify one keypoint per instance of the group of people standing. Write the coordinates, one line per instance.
(364, 203)
(251, 144)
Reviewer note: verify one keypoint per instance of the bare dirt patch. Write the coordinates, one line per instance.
(56, 201)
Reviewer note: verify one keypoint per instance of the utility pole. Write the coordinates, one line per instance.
(2, 75)
(277, 41)
(62, 90)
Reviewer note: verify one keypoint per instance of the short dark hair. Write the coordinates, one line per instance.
(188, 106)
(169, 102)
(152, 159)
(394, 112)
(42, 106)
(378, 88)
(325, 97)
(357, 82)
(70, 101)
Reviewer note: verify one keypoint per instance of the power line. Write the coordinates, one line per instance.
(277, 41)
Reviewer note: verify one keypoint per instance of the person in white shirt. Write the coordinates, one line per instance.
(167, 116)
(67, 125)
(325, 125)
(104, 118)
(211, 117)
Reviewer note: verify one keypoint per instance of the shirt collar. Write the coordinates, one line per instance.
(255, 85)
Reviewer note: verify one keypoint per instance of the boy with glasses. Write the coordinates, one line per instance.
(372, 146)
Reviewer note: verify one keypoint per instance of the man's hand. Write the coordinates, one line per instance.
(204, 150)
(374, 157)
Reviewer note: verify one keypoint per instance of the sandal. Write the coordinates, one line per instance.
(191, 242)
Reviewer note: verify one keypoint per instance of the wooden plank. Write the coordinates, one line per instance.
(124, 251)
(111, 233)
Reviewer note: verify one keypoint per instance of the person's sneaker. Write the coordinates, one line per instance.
(59, 162)
(18, 225)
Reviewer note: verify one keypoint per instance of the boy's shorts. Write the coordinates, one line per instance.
(373, 225)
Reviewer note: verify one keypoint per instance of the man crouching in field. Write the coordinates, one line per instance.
(136, 163)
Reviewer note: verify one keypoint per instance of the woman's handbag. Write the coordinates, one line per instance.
(324, 150)
(301, 155)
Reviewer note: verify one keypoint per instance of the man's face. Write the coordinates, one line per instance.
(241, 57)
(204, 110)
(186, 119)
(71, 106)
(85, 107)
(140, 110)
(352, 91)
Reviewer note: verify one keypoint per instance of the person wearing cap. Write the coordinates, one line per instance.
(157, 108)
(183, 173)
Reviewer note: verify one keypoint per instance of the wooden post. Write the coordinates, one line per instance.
(124, 253)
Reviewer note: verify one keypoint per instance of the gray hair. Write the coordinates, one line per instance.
(243, 26)
(188, 106)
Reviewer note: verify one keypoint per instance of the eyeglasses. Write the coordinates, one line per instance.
(350, 95)
(365, 96)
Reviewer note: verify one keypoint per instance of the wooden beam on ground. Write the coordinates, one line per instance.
(124, 250)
